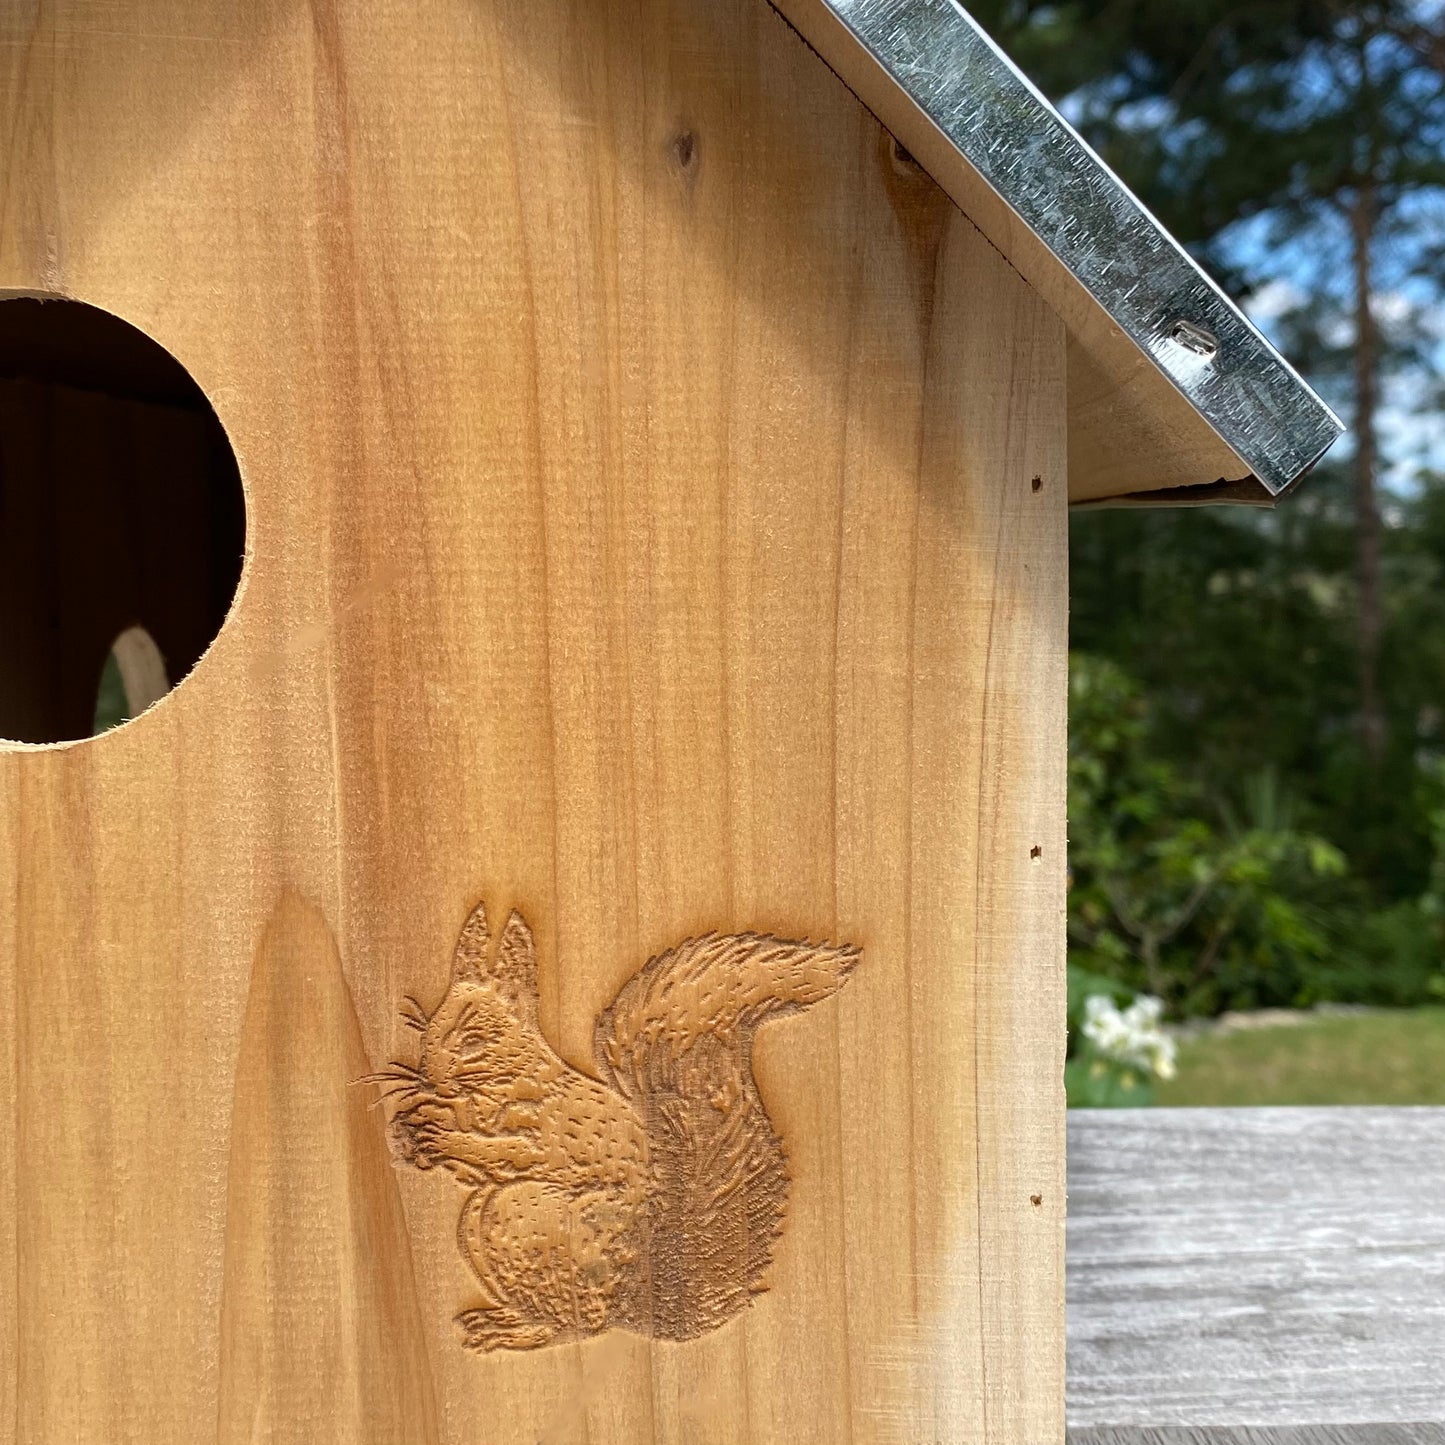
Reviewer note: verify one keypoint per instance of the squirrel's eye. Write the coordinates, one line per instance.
(474, 1041)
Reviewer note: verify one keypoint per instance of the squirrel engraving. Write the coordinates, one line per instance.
(648, 1199)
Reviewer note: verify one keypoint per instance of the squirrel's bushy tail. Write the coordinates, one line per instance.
(677, 1042)
(721, 985)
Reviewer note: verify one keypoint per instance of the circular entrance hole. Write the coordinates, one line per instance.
(122, 522)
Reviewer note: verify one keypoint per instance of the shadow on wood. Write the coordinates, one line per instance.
(321, 1333)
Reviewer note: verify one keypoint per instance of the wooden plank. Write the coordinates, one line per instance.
(1262, 1435)
(1256, 1267)
(656, 525)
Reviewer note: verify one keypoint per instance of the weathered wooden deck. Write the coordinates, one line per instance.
(1257, 1277)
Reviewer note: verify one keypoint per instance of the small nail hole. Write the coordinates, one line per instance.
(1037, 484)
(1037, 1200)
(1036, 852)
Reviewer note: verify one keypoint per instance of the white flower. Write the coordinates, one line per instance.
(1134, 1037)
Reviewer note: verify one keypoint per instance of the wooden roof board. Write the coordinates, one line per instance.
(1171, 388)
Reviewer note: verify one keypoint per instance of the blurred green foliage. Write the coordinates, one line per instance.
(1231, 845)
(1200, 905)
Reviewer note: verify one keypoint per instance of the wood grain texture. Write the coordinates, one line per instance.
(1257, 1267)
(656, 523)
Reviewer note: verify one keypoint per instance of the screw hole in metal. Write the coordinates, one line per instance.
(1194, 338)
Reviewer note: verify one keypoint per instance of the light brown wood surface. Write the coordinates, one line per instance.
(656, 504)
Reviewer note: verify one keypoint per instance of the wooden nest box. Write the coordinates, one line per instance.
(581, 955)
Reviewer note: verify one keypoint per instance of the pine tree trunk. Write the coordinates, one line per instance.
(1363, 217)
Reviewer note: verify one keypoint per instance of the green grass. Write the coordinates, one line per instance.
(1394, 1056)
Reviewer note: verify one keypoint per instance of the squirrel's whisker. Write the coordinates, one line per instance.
(398, 1093)
(398, 1072)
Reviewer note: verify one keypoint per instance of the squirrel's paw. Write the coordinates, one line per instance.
(488, 1328)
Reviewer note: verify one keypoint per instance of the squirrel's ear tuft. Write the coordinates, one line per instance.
(517, 958)
(469, 965)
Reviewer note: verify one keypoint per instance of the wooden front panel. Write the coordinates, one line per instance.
(655, 526)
